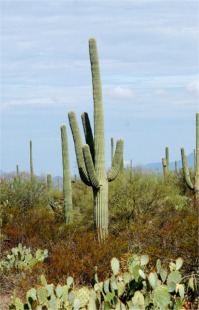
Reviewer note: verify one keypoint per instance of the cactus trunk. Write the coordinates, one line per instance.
(101, 210)
(67, 188)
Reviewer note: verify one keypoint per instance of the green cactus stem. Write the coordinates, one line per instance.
(165, 168)
(165, 162)
(31, 163)
(91, 156)
(67, 188)
(49, 182)
(167, 157)
(17, 170)
(193, 185)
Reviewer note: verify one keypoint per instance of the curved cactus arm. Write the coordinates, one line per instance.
(117, 161)
(90, 167)
(88, 134)
(78, 148)
(186, 170)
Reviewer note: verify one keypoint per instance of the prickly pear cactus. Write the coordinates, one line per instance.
(21, 258)
(137, 288)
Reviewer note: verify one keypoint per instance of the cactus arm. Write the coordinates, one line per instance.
(90, 167)
(78, 148)
(117, 161)
(98, 110)
(186, 170)
(88, 134)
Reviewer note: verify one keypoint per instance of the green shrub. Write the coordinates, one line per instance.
(23, 193)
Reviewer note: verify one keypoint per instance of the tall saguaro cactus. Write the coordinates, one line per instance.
(91, 156)
(31, 162)
(67, 188)
(194, 186)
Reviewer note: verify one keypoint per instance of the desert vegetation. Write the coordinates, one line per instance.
(149, 215)
(132, 244)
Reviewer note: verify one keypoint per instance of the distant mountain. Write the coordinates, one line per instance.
(158, 166)
(58, 181)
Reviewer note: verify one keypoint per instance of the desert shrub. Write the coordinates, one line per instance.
(82, 203)
(133, 195)
(23, 193)
(148, 214)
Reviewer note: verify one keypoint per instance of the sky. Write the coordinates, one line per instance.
(148, 54)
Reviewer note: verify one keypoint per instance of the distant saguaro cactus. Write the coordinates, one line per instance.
(49, 182)
(194, 186)
(31, 162)
(17, 170)
(165, 162)
(91, 156)
(67, 188)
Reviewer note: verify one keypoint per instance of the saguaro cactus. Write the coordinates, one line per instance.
(31, 162)
(165, 162)
(49, 182)
(17, 170)
(67, 188)
(194, 186)
(91, 156)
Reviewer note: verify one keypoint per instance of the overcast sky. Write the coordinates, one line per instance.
(148, 53)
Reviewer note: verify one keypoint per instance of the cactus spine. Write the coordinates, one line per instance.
(193, 186)
(91, 156)
(31, 162)
(67, 189)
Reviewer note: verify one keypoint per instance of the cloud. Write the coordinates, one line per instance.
(193, 86)
(160, 92)
(121, 93)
